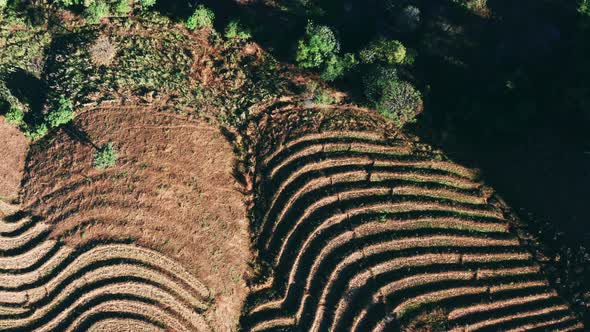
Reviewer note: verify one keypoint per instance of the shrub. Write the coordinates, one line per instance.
(317, 46)
(376, 80)
(102, 52)
(337, 66)
(400, 102)
(123, 7)
(201, 18)
(62, 115)
(147, 3)
(15, 116)
(384, 50)
(96, 11)
(3, 3)
(36, 132)
(235, 30)
(106, 156)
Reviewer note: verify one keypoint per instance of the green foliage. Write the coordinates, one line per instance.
(584, 8)
(201, 18)
(96, 11)
(123, 7)
(15, 116)
(337, 66)
(376, 80)
(3, 3)
(400, 102)
(147, 63)
(36, 131)
(384, 50)
(147, 3)
(106, 156)
(235, 30)
(395, 99)
(317, 47)
(67, 3)
(62, 115)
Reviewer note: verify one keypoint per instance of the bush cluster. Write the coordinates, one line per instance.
(235, 30)
(15, 116)
(95, 10)
(203, 17)
(384, 50)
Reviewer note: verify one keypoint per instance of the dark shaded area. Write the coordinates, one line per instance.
(503, 93)
(28, 89)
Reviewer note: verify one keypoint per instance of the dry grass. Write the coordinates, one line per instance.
(103, 51)
(172, 191)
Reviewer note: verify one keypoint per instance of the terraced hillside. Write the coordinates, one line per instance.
(359, 230)
(48, 286)
(169, 215)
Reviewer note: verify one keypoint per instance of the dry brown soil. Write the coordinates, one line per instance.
(172, 190)
(13, 151)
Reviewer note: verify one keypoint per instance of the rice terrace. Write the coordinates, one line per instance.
(273, 166)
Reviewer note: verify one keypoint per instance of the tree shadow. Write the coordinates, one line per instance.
(496, 87)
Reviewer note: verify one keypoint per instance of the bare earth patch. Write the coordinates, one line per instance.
(13, 151)
(172, 191)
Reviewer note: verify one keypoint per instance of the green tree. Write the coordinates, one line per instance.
(63, 114)
(201, 18)
(147, 3)
(96, 11)
(123, 7)
(106, 156)
(317, 47)
(400, 102)
(337, 66)
(384, 50)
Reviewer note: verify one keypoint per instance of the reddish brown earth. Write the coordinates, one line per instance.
(13, 152)
(172, 191)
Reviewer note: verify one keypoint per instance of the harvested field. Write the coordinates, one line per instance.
(171, 193)
(48, 286)
(360, 230)
(14, 147)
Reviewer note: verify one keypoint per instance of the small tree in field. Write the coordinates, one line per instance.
(317, 46)
(106, 156)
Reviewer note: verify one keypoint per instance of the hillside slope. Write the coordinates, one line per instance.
(360, 230)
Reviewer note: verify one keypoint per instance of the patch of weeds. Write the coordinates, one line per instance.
(106, 156)
(235, 30)
(432, 321)
(15, 116)
(318, 94)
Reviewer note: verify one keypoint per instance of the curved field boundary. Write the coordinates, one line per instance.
(46, 286)
(364, 233)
